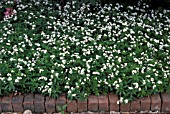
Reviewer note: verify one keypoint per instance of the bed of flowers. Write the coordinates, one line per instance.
(47, 49)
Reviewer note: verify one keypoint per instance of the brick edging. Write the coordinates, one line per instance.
(106, 103)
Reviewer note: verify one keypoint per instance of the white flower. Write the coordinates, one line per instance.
(73, 95)
(131, 31)
(111, 75)
(148, 76)
(121, 99)
(64, 61)
(142, 71)
(31, 69)
(97, 56)
(82, 71)
(50, 83)
(134, 71)
(144, 82)
(156, 41)
(120, 80)
(159, 82)
(82, 83)
(69, 92)
(119, 59)
(126, 101)
(117, 86)
(8, 74)
(17, 80)
(130, 88)
(67, 87)
(15, 18)
(154, 86)
(152, 79)
(139, 89)
(56, 74)
(96, 73)
(52, 56)
(49, 90)
(37, 44)
(70, 71)
(136, 85)
(52, 71)
(41, 70)
(9, 79)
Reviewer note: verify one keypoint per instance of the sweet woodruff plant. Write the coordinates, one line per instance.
(49, 49)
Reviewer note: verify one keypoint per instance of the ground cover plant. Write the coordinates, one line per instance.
(90, 50)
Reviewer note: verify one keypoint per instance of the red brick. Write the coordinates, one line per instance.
(93, 103)
(103, 103)
(39, 103)
(6, 104)
(155, 102)
(71, 106)
(82, 106)
(165, 102)
(145, 104)
(61, 101)
(113, 98)
(17, 103)
(103, 112)
(135, 105)
(125, 107)
(113, 112)
(29, 102)
(50, 105)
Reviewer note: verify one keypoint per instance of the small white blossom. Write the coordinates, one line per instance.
(52, 56)
(154, 86)
(126, 101)
(9, 79)
(96, 73)
(159, 82)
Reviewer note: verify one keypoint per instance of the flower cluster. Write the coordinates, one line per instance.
(89, 50)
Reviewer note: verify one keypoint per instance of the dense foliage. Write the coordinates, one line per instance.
(90, 50)
(152, 3)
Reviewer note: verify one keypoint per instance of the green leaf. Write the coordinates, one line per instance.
(93, 2)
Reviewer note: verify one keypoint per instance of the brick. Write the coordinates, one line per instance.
(50, 105)
(71, 106)
(135, 105)
(93, 103)
(103, 103)
(103, 112)
(29, 102)
(61, 101)
(113, 112)
(39, 103)
(6, 104)
(155, 102)
(125, 107)
(165, 102)
(113, 98)
(131, 113)
(145, 104)
(82, 106)
(27, 112)
(17, 103)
